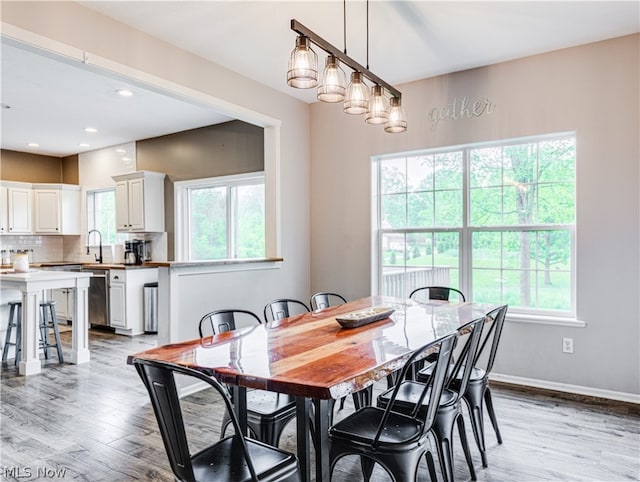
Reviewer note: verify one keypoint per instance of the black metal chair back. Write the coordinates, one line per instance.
(234, 458)
(397, 441)
(436, 293)
(220, 321)
(492, 333)
(459, 377)
(324, 299)
(282, 308)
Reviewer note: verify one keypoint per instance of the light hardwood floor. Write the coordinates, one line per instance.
(93, 422)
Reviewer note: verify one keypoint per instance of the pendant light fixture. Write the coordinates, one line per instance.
(332, 88)
(303, 74)
(378, 109)
(397, 121)
(303, 65)
(357, 99)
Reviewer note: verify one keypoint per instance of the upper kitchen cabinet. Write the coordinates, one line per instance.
(15, 209)
(140, 202)
(56, 208)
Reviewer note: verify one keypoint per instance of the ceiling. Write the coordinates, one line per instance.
(51, 102)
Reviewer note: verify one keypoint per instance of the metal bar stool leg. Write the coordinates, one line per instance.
(7, 338)
(15, 321)
(51, 321)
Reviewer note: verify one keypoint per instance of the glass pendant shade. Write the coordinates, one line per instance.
(357, 97)
(332, 86)
(397, 121)
(303, 65)
(378, 112)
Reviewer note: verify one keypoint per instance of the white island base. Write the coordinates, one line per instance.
(31, 286)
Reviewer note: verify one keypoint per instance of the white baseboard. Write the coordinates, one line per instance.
(565, 387)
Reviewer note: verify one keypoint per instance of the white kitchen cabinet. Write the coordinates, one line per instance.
(64, 303)
(140, 202)
(117, 299)
(56, 208)
(16, 208)
(126, 298)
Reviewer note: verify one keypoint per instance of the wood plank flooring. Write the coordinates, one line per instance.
(93, 422)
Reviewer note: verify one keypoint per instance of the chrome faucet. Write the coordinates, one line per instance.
(98, 257)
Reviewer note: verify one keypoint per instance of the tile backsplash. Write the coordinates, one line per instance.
(73, 248)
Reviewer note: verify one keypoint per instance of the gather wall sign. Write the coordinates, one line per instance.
(461, 109)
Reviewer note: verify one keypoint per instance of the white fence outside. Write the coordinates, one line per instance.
(399, 282)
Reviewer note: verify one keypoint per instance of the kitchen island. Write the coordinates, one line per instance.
(31, 286)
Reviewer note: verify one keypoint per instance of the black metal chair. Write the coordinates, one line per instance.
(396, 441)
(267, 412)
(233, 458)
(449, 410)
(478, 386)
(283, 308)
(436, 293)
(324, 299)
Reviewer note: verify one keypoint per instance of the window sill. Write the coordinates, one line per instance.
(546, 320)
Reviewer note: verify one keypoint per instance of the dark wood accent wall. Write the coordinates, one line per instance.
(26, 167)
(70, 171)
(230, 148)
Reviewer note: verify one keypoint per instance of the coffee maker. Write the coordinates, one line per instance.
(137, 251)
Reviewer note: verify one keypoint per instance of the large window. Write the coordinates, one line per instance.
(495, 220)
(222, 218)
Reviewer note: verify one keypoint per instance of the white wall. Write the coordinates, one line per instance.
(594, 90)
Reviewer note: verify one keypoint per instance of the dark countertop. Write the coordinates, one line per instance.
(54, 264)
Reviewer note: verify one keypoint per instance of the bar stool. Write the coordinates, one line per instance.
(49, 321)
(15, 321)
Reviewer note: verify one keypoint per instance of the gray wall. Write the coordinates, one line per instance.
(592, 90)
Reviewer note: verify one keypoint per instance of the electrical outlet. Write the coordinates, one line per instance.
(567, 345)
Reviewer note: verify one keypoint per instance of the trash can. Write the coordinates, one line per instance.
(151, 307)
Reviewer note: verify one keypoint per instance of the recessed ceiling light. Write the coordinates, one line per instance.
(120, 151)
(126, 159)
(33, 144)
(84, 145)
(90, 129)
(124, 92)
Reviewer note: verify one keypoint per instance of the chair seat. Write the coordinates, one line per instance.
(269, 403)
(408, 395)
(361, 427)
(221, 463)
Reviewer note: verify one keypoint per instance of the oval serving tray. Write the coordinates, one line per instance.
(363, 317)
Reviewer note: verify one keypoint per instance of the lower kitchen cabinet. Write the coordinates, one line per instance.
(64, 303)
(126, 298)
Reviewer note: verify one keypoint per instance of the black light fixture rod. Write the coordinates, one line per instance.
(327, 47)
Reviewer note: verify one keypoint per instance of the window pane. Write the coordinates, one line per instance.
(394, 210)
(208, 223)
(249, 237)
(556, 203)
(448, 208)
(420, 173)
(393, 265)
(486, 207)
(448, 170)
(420, 209)
(486, 167)
(393, 176)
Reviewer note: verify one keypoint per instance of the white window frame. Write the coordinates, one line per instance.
(467, 230)
(181, 193)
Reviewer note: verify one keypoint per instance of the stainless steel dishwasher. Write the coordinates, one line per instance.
(99, 297)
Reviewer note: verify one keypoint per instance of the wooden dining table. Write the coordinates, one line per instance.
(312, 357)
